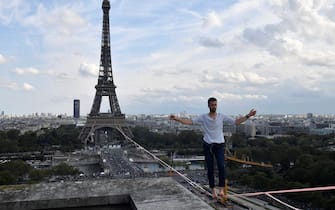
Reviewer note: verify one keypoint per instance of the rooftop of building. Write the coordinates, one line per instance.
(143, 193)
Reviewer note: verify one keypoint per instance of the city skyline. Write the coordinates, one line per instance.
(169, 57)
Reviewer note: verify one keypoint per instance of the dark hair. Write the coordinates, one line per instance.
(211, 99)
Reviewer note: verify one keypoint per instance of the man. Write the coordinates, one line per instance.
(213, 145)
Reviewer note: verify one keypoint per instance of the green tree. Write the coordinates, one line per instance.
(305, 161)
(260, 181)
(7, 178)
(8, 146)
(36, 175)
(16, 167)
(238, 140)
(189, 139)
(13, 134)
(64, 169)
(28, 142)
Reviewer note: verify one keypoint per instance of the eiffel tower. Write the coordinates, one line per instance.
(111, 125)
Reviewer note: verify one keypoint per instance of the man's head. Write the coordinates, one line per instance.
(212, 104)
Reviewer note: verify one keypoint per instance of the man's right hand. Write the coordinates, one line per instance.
(180, 120)
(172, 117)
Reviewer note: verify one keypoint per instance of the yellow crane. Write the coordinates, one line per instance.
(245, 160)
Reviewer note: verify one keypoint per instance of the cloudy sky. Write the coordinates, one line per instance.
(169, 56)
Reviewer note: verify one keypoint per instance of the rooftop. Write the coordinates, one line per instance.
(143, 193)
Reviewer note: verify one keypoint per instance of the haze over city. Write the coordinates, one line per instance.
(170, 56)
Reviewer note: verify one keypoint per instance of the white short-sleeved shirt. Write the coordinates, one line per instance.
(213, 128)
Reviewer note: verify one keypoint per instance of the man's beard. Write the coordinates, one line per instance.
(212, 110)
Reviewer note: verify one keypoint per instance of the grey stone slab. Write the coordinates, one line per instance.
(141, 193)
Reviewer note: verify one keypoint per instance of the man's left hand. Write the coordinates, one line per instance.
(252, 113)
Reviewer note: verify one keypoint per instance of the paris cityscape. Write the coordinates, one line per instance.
(118, 136)
(261, 125)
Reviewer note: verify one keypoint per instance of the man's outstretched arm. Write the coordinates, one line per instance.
(182, 121)
(243, 119)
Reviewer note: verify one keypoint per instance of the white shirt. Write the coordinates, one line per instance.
(213, 128)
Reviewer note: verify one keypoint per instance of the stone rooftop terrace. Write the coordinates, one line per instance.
(142, 193)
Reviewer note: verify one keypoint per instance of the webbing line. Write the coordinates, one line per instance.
(188, 180)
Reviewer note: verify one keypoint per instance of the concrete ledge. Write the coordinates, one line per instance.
(146, 194)
(110, 201)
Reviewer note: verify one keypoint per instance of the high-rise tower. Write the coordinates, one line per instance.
(96, 120)
(76, 108)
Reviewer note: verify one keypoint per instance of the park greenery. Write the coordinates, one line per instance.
(64, 138)
(299, 161)
(18, 171)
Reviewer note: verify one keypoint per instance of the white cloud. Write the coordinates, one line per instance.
(13, 86)
(319, 58)
(317, 81)
(60, 28)
(30, 71)
(27, 71)
(292, 45)
(210, 42)
(2, 59)
(227, 96)
(237, 77)
(305, 32)
(60, 21)
(192, 13)
(88, 70)
(11, 10)
(58, 75)
(27, 86)
(191, 99)
(255, 96)
(211, 20)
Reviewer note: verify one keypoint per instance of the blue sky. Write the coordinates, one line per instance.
(170, 56)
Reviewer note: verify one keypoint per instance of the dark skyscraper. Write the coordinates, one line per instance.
(76, 108)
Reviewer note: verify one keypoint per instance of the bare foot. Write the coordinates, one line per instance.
(214, 196)
(222, 195)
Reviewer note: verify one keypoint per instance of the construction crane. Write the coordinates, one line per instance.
(244, 159)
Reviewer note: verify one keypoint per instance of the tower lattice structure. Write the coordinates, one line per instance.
(115, 118)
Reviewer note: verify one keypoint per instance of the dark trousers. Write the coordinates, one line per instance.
(217, 151)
